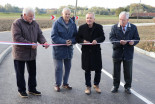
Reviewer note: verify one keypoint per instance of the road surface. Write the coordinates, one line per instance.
(143, 80)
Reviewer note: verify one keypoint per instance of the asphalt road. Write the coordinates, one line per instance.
(143, 80)
(4, 36)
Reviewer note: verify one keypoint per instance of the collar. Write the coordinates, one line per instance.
(127, 25)
(25, 20)
(92, 26)
(61, 21)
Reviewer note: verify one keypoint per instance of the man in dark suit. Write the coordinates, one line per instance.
(124, 36)
(91, 32)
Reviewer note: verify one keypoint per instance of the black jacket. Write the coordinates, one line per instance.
(123, 52)
(91, 54)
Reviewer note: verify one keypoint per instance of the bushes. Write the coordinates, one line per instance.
(141, 17)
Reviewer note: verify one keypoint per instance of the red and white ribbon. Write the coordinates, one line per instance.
(19, 43)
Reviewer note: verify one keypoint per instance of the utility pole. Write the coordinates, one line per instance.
(138, 7)
(75, 9)
(75, 13)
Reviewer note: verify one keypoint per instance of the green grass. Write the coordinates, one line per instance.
(17, 15)
(9, 15)
(99, 17)
(48, 16)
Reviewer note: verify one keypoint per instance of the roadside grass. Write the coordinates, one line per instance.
(147, 33)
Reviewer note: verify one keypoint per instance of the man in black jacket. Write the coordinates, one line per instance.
(91, 54)
(124, 36)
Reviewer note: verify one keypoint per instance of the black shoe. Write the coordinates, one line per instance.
(114, 89)
(128, 91)
(35, 92)
(23, 94)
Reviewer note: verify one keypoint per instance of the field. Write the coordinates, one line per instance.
(146, 33)
(44, 21)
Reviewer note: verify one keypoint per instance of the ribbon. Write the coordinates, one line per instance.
(19, 43)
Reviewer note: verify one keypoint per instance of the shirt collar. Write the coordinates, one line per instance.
(127, 25)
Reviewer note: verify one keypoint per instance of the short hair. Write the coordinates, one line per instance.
(124, 13)
(91, 13)
(66, 9)
(28, 10)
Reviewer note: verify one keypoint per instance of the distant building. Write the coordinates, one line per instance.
(151, 15)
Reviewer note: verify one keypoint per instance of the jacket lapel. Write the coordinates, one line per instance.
(94, 26)
(126, 32)
(128, 29)
(119, 28)
(64, 25)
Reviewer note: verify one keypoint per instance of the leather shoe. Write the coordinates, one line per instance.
(57, 88)
(114, 89)
(67, 87)
(97, 89)
(88, 90)
(128, 91)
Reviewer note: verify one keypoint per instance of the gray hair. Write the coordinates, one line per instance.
(28, 10)
(124, 13)
(66, 9)
(91, 13)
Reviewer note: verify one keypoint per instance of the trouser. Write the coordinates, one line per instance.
(97, 78)
(20, 69)
(59, 71)
(127, 66)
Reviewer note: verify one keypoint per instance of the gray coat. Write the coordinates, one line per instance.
(25, 32)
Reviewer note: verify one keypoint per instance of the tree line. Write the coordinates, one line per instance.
(8, 8)
(132, 8)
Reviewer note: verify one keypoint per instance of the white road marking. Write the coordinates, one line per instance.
(122, 84)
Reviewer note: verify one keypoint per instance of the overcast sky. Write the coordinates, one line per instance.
(82, 3)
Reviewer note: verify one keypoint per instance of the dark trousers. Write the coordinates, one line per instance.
(127, 66)
(20, 69)
(97, 78)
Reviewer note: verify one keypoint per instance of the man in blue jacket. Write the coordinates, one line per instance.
(124, 36)
(64, 31)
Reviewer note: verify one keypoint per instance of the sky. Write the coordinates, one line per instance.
(47, 4)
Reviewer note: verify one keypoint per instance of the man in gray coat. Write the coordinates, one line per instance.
(26, 30)
(124, 36)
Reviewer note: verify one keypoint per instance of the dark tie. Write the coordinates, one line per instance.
(124, 28)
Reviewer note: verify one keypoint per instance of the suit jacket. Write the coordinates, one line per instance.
(126, 51)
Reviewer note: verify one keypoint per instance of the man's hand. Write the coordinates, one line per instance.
(94, 42)
(46, 45)
(68, 42)
(34, 46)
(131, 42)
(86, 41)
(123, 42)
